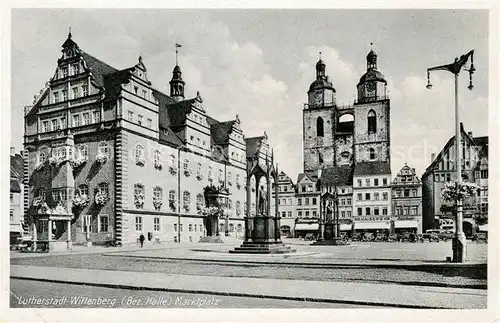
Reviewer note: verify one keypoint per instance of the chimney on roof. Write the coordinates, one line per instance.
(12, 151)
(470, 133)
(433, 156)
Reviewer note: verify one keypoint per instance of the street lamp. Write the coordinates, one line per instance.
(459, 240)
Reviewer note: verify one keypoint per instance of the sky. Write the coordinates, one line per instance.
(259, 64)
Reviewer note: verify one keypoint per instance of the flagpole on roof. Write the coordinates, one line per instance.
(177, 45)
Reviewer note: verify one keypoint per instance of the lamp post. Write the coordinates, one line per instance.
(459, 240)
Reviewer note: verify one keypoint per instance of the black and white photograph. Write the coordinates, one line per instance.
(205, 159)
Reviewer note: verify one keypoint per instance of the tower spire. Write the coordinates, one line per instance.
(69, 34)
(177, 84)
(177, 46)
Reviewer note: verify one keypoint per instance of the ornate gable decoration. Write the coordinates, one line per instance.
(140, 71)
(198, 102)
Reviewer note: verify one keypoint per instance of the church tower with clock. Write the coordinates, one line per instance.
(319, 122)
(372, 116)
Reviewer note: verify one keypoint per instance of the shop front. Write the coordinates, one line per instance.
(402, 225)
(309, 229)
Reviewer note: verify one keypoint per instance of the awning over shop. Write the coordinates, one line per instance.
(345, 227)
(307, 226)
(406, 224)
(372, 225)
(483, 228)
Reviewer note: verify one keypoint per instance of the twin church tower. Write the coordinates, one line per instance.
(347, 136)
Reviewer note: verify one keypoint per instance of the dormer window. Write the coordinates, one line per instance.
(65, 72)
(65, 95)
(76, 93)
(85, 90)
(76, 69)
(56, 97)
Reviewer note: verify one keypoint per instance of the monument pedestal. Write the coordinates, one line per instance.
(329, 237)
(262, 236)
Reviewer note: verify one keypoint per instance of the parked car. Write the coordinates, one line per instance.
(431, 235)
(445, 234)
(309, 237)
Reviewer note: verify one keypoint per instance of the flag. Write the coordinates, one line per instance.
(177, 45)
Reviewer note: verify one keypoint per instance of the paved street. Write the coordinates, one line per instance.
(22, 290)
(164, 261)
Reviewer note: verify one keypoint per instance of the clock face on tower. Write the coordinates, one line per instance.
(370, 87)
(317, 97)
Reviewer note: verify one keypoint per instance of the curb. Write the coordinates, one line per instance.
(415, 266)
(204, 292)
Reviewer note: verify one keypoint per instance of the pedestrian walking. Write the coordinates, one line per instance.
(141, 239)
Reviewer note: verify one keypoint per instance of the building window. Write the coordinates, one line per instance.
(96, 117)
(149, 123)
(384, 211)
(372, 122)
(484, 174)
(45, 126)
(181, 227)
(63, 122)
(86, 118)
(56, 97)
(306, 201)
(156, 224)
(385, 196)
(376, 196)
(376, 211)
(55, 124)
(414, 192)
(76, 93)
(360, 211)
(103, 188)
(199, 202)
(319, 127)
(139, 196)
(367, 196)
(360, 197)
(85, 90)
(76, 69)
(371, 152)
(64, 72)
(103, 149)
(375, 181)
(83, 189)
(384, 181)
(314, 201)
(86, 222)
(367, 182)
(190, 227)
(398, 193)
(360, 183)
(139, 119)
(138, 223)
(414, 210)
(175, 227)
(349, 214)
(289, 214)
(448, 177)
(76, 120)
(342, 201)
(299, 201)
(314, 214)
(406, 193)
(83, 151)
(139, 155)
(157, 197)
(171, 200)
(307, 214)
(130, 116)
(186, 200)
(65, 95)
(367, 210)
(349, 201)
(103, 223)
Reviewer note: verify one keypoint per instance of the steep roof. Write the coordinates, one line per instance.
(220, 130)
(16, 166)
(372, 168)
(310, 175)
(174, 114)
(98, 68)
(253, 145)
(481, 141)
(338, 175)
(14, 186)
